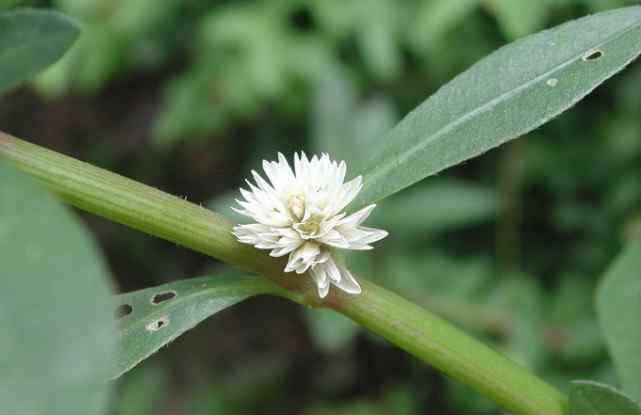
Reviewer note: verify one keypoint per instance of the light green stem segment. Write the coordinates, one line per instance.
(444, 346)
(407, 325)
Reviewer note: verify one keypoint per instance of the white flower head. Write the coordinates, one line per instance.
(300, 213)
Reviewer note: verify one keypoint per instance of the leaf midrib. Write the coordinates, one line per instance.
(378, 171)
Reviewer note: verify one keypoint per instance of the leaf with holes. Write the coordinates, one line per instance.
(619, 308)
(512, 91)
(592, 398)
(56, 340)
(31, 40)
(153, 317)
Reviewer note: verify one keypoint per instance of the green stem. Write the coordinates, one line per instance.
(444, 346)
(407, 325)
(132, 203)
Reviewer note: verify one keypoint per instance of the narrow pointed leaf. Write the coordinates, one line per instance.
(153, 317)
(592, 398)
(31, 40)
(619, 308)
(512, 91)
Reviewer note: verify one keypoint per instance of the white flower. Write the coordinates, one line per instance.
(300, 214)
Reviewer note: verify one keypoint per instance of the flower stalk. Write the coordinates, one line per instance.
(407, 325)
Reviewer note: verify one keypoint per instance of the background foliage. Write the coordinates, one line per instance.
(189, 95)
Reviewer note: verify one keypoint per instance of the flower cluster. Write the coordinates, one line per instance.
(299, 213)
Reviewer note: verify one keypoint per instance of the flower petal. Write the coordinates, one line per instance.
(347, 282)
(303, 258)
(358, 217)
(320, 277)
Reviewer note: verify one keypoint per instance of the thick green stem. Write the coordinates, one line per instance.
(409, 326)
(132, 203)
(444, 346)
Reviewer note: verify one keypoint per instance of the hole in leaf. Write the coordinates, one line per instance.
(162, 297)
(158, 324)
(123, 310)
(593, 55)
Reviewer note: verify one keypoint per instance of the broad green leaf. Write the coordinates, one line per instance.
(618, 305)
(591, 398)
(31, 40)
(505, 95)
(153, 317)
(57, 341)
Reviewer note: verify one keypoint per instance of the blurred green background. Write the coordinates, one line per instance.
(189, 95)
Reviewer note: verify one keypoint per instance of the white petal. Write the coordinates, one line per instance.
(301, 166)
(372, 235)
(262, 184)
(273, 174)
(336, 239)
(333, 272)
(287, 233)
(320, 277)
(340, 173)
(303, 258)
(285, 249)
(321, 223)
(324, 256)
(256, 234)
(358, 217)
(360, 237)
(347, 193)
(347, 282)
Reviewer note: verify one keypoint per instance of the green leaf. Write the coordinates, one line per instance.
(591, 398)
(512, 91)
(57, 340)
(618, 304)
(31, 40)
(153, 317)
